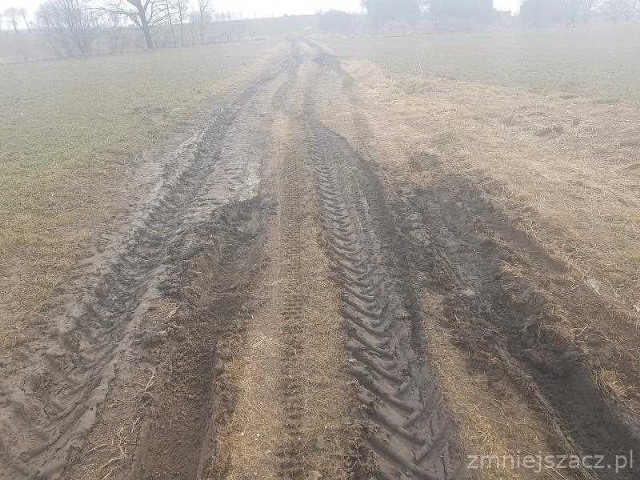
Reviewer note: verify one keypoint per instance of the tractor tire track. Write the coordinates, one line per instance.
(290, 454)
(50, 399)
(409, 430)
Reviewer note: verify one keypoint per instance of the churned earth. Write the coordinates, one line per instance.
(298, 298)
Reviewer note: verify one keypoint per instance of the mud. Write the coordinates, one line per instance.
(52, 389)
(271, 237)
(512, 323)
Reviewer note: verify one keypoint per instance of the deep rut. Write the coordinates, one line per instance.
(409, 429)
(290, 455)
(58, 383)
(410, 432)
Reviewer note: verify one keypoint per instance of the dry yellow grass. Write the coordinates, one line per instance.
(563, 170)
(574, 188)
(489, 424)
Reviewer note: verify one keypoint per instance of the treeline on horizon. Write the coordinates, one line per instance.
(72, 28)
(84, 27)
(450, 15)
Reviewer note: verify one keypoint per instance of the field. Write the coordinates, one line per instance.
(599, 62)
(323, 258)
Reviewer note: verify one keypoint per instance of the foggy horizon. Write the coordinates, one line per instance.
(257, 8)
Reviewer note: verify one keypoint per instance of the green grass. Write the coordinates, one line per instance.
(69, 128)
(602, 61)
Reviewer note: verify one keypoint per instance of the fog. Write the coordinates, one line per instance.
(260, 8)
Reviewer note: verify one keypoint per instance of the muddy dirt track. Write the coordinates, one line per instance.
(261, 317)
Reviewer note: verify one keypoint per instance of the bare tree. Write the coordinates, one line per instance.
(144, 13)
(203, 16)
(114, 27)
(182, 12)
(22, 43)
(579, 10)
(23, 14)
(620, 9)
(70, 23)
(165, 7)
(13, 15)
(381, 11)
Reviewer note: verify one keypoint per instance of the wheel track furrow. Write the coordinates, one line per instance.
(374, 388)
(290, 452)
(93, 321)
(354, 319)
(358, 340)
(379, 344)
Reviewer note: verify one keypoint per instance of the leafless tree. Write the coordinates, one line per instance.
(166, 7)
(579, 10)
(203, 16)
(70, 23)
(620, 9)
(144, 13)
(13, 15)
(114, 27)
(23, 14)
(182, 12)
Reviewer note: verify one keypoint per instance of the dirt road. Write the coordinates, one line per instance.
(265, 317)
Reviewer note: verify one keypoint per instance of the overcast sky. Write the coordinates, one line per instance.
(266, 8)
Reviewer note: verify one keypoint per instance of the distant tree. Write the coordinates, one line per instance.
(579, 10)
(167, 12)
(202, 17)
(479, 10)
(544, 13)
(13, 15)
(182, 14)
(620, 9)
(336, 21)
(381, 11)
(70, 23)
(114, 28)
(23, 14)
(144, 13)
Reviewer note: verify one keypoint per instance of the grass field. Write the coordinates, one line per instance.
(70, 133)
(601, 62)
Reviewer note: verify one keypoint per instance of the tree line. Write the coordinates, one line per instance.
(533, 12)
(542, 13)
(73, 26)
